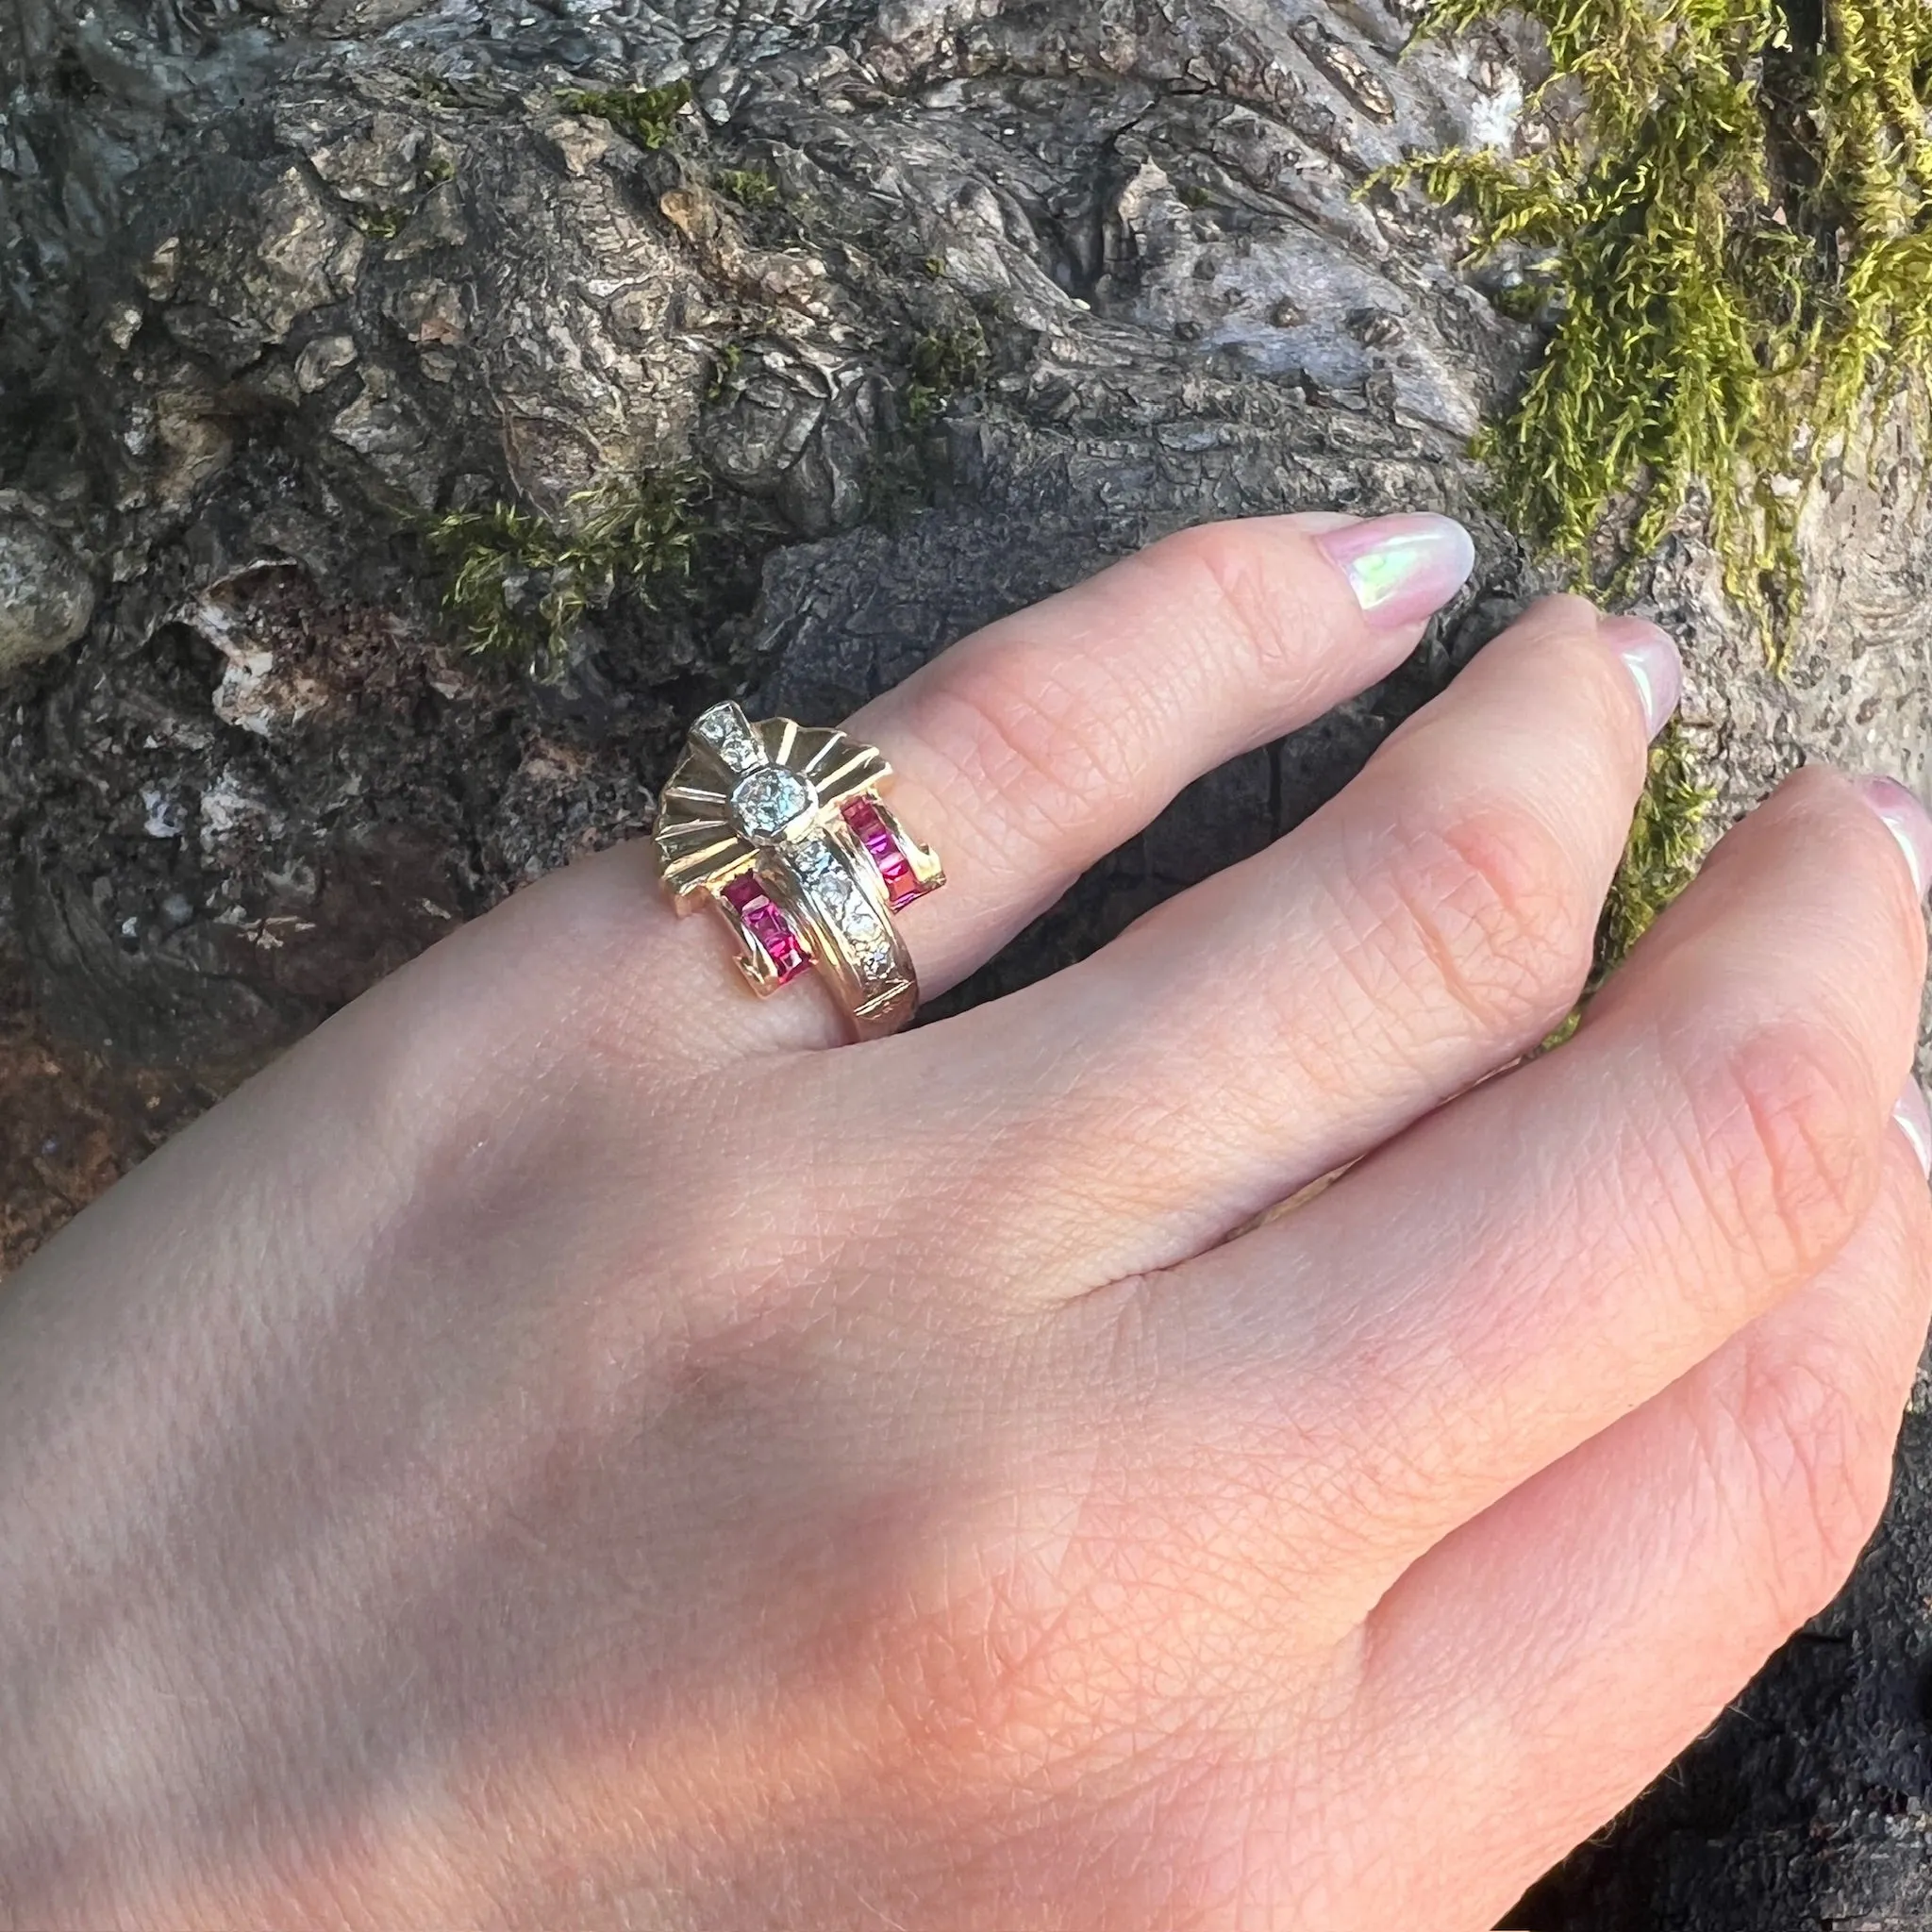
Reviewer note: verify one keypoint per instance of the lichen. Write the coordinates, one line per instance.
(647, 114)
(519, 582)
(725, 360)
(380, 224)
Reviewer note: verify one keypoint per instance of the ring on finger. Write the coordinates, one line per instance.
(780, 827)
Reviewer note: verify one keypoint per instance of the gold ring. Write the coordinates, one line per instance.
(780, 827)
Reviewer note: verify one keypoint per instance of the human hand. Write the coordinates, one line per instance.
(565, 1448)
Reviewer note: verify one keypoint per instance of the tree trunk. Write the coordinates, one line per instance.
(763, 346)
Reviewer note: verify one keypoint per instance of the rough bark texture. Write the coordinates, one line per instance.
(947, 302)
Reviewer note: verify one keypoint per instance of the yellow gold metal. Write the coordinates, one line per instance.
(780, 827)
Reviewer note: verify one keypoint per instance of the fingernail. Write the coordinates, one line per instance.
(1907, 821)
(1656, 665)
(1913, 1114)
(1402, 569)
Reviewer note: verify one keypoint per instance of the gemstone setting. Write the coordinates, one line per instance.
(842, 903)
(725, 731)
(778, 826)
(768, 925)
(895, 870)
(768, 803)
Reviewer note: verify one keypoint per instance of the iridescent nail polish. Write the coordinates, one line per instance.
(1650, 654)
(1913, 1114)
(1907, 821)
(1402, 569)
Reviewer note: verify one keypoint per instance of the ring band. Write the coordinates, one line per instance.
(780, 827)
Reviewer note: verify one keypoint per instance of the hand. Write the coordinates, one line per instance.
(565, 1448)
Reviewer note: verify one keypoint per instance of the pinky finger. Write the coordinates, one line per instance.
(1627, 1593)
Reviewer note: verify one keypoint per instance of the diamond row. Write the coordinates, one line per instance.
(727, 731)
(845, 907)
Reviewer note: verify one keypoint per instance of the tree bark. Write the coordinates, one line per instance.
(923, 309)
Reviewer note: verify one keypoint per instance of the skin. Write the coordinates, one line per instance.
(573, 1446)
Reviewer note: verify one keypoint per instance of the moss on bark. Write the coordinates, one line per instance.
(519, 582)
(1732, 251)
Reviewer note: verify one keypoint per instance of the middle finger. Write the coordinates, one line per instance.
(1426, 927)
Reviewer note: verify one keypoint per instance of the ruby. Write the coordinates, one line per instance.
(768, 925)
(895, 868)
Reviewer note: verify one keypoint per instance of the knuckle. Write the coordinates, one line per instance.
(1782, 1138)
(1802, 1439)
(1486, 910)
(1024, 729)
(1563, 611)
(1250, 603)
(1224, 563)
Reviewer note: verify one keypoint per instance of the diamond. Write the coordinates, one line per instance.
(769, 801)
(725, 730)
(842, 904)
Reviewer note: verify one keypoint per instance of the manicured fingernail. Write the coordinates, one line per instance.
(1656, 665)
(1907, 821)
(1402, 569)
(1913, 1114)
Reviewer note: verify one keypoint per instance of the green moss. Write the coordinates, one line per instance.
(725, 360)
(519, 582)
(1736, 254)
(1733, 258)
(1666, 847)
(748, 187)
(1660, 858)
(380, 224)
(647, 114)
(944, 363)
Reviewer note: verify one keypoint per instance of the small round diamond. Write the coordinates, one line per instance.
(727, 731)
(768, 801)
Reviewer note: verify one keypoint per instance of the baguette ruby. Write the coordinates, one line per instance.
(895, 868)
(768, 925)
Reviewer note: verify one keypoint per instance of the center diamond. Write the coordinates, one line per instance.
(767, 802)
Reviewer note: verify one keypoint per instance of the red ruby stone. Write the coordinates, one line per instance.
(768, 925)
(902, 887)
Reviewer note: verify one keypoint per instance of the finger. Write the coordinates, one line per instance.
(1627, 1593)
(1549, 1251)
(1039, 745)
(1425, 927)
(1030, 750)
